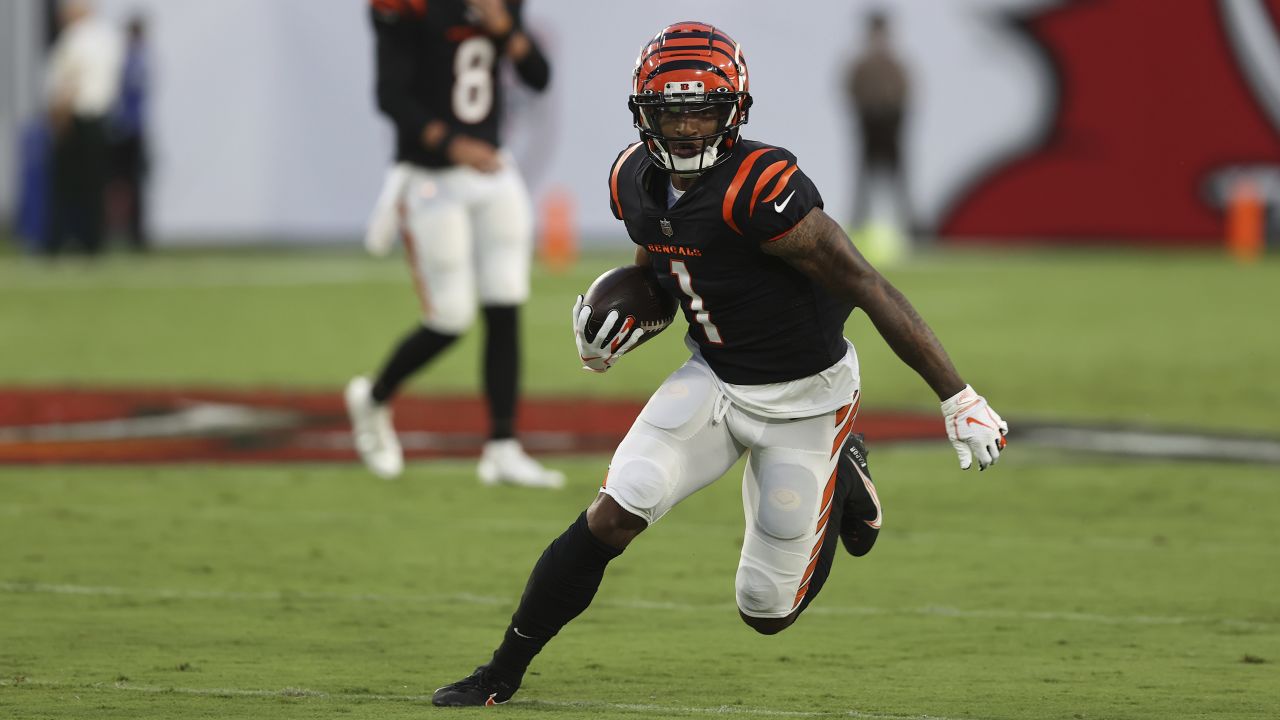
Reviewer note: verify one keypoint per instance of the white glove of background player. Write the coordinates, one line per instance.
(601, 352)
(975, 430)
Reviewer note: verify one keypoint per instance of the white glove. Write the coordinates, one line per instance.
(974, 428)
(384, 223)
(600, 353)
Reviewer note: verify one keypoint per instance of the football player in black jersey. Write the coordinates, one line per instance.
(766, 280)
(459, 206)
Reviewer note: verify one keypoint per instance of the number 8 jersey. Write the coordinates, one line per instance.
(755, 319)
(435, 63)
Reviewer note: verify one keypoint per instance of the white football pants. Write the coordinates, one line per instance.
(468, 237)
(690, 433)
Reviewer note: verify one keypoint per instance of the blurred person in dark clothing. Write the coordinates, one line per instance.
(460, 207)
(81, 82)
(128, 133)
(878, 88)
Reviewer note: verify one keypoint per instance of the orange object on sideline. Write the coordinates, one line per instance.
(1245, 221)
(559, 242)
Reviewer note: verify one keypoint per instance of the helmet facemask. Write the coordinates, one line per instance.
(687, 133)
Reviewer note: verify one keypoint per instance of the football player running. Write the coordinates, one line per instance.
(461, 209)
(766, 280)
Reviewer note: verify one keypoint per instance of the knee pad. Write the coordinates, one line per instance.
(759, 595)
(450, 316)
(640, 485)
(787, 503)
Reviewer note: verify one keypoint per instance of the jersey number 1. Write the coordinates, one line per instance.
(700, 313)
(473, 80)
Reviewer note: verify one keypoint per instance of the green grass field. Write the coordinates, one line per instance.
(1055, 586)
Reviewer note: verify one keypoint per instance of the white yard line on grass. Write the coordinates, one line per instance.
(570, 704)
(628, 604)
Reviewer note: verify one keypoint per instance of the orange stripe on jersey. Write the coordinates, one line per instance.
(736, 185)
(782, 183)
(765, 177)
(613, 176)
(784, 233)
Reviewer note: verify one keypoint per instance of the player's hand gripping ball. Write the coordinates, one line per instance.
(623, 308)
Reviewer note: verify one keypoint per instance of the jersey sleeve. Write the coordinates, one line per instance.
(770, 195)
(617, 175)
(393, 26)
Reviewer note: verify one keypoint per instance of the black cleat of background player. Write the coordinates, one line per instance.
(478, 689)
(860, 522)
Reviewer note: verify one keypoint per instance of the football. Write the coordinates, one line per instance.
(631, 290)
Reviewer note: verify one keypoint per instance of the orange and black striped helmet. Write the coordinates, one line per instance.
(694, 71)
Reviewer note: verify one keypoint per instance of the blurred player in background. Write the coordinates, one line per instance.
(128, 132)
(459, 205)
(878, 88)
(81, 82)
(766, 280)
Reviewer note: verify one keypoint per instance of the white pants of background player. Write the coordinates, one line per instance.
(693, 430)
(468, 237)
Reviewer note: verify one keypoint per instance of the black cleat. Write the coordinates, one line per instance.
(860, 521)
(480, 688)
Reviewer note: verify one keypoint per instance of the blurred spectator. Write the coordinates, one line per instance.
(81, 83)
(878, 87)
(33, 184)
(128, 134)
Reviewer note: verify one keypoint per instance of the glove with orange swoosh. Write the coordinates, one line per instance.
(600, 353)
(974, 428)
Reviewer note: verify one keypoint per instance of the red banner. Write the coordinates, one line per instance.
(1158, 102)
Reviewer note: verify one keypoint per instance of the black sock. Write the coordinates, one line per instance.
(415, 350)
(501, 368)
(561, 586)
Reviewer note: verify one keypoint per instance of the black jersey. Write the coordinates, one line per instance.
(435, 63)
(755, 318)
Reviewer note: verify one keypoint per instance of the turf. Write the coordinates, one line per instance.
(1045, 590)
(1056, 586)
(1181, 338)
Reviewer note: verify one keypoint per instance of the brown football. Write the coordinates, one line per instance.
(632, 290)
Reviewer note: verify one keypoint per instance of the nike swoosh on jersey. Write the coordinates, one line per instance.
(779, 207)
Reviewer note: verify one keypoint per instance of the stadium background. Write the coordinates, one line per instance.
(1116, 564)
(299, 148)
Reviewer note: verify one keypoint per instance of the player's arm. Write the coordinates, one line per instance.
(819, 248)
(395, 62)
(501, 20)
